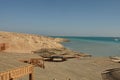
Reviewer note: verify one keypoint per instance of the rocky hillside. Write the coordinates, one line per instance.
(27, 43)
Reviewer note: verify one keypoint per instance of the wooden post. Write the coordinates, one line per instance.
(31, 73)
(11, 79)
(31, 76)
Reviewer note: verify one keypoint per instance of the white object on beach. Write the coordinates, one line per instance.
(115, 59)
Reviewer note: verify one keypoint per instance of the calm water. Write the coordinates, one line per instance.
(96, 46)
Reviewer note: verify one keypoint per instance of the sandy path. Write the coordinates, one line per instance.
(83, 69)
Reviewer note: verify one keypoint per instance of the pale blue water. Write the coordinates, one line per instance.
(96, 46)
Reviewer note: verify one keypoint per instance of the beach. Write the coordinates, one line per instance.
(79, 66)
(89, 68)
(59, 39)
(82, 69)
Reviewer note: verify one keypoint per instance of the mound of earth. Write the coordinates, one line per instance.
(27, 43)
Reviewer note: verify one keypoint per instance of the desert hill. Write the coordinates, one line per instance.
(27, 43)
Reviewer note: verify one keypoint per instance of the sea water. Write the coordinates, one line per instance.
(96, 46)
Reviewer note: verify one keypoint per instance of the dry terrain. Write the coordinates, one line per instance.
(27, 43)
(85, 68)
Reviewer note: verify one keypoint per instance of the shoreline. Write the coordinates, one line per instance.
(81, 67)
(95, 48)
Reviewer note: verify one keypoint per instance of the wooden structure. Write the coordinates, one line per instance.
(17, 73)
(35, 61)
(21, 72)
(13, 69)
(3, 46)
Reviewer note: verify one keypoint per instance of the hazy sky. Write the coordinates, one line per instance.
(61, 17)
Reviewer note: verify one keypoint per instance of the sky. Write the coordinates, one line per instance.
(61, 17)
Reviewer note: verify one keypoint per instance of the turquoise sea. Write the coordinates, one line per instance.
(96, 46)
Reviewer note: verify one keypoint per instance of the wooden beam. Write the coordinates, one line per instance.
(31, 76)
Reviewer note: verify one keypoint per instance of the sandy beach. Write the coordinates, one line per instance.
(59, 39)
(83, 67)
(89, 68)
